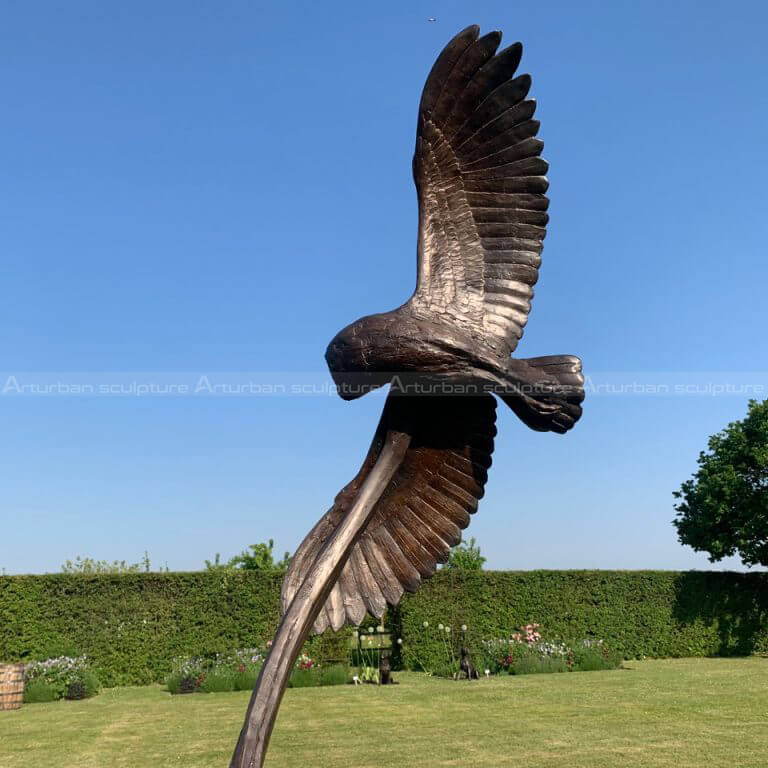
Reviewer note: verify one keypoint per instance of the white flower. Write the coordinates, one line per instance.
(447, 629)
(370, 630)
(487, 672)
(463, 627)
(399, 640)
(440, 627)
(426, 624)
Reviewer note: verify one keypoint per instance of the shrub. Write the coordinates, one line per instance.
(189, 684)
(218, 680)
(235, 671)
(532, 663)
(75, 691)
(67, 676)
(304, 678)
(38, 691)
(245, 679)
(187, 675)
(173, 683)
(92, 683)
(514, 655)
(334, 674)
(591, 656)
(590, 661)
(449, 669)
(83, 687)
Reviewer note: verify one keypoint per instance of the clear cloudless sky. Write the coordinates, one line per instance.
(213, 189)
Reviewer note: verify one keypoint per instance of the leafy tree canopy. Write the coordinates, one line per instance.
(258, 557)
(466, 557)
(723, 508)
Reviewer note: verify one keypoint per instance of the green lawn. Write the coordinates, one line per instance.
(685, 713)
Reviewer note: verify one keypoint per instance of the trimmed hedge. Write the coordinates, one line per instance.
(636, 613)
(131, 626)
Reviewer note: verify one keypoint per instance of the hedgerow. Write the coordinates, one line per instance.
(636, 613)
(132, 626)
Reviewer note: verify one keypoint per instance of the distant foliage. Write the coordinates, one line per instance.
(466, 557)
(88, 566)
(636, 613)
(723, 508)
(132, 626)
(258, 557)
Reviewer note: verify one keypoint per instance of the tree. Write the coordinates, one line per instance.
(260, 558)
(723, 508)
(465, 557)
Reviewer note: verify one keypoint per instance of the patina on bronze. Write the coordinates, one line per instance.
(482, 217)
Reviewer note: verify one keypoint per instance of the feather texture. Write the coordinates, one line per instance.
(419, 517)
(481, 184)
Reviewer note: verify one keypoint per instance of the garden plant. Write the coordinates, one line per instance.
(61, 677)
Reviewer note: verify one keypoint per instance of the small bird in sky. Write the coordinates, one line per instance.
(431, 18)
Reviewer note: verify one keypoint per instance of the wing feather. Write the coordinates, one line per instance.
(481, 183)
(418, 518)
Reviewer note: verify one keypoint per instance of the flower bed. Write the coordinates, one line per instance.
(239, 671)
(524, 651)
(61, 677)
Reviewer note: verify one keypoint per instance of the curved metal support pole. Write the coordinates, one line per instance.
(301, 614)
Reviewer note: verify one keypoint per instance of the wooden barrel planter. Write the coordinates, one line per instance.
(11, 686)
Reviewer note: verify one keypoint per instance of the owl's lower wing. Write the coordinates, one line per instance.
(420, 515)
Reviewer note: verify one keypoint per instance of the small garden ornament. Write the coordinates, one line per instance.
(385, 669)
(466, 667)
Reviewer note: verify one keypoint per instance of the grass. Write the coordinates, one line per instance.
(682, 713)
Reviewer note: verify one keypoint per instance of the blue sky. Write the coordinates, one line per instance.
(194, 189)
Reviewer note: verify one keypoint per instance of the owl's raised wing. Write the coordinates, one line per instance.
(481, 189)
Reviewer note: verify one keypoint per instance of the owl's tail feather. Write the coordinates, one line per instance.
(551, 399)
